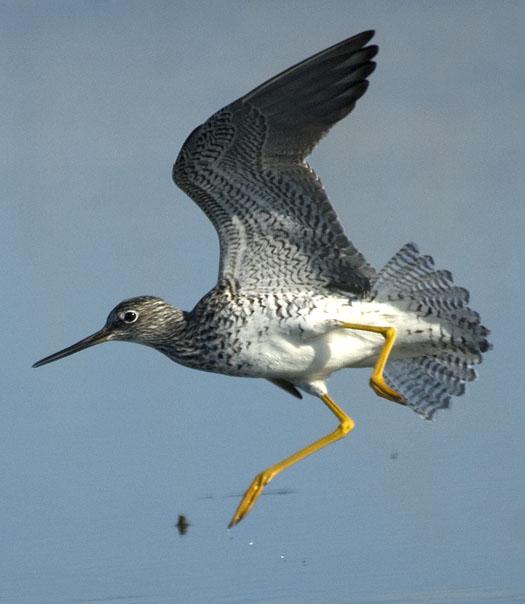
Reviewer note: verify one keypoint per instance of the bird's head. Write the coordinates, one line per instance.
(145, 320)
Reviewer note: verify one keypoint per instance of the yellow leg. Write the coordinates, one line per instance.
(346, 424)
(377, 381)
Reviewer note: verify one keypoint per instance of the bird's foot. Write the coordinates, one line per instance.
(381, 388)
(253, 493)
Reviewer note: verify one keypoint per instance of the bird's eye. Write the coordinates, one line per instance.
(129, 316)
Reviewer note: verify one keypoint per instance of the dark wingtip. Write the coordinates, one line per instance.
(373, 49)
(367, 35)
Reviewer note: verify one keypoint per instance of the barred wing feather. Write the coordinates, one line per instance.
(245, 167)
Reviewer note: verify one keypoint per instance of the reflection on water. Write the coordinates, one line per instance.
(265, 493)
(282, 491)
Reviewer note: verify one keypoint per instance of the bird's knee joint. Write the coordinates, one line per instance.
(346, 426)
(390, 333)
(263, 478)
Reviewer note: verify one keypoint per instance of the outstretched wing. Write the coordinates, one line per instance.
(245, 167)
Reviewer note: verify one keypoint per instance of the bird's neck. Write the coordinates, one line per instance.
(176, 340)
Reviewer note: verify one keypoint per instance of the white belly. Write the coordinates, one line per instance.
(309, 348)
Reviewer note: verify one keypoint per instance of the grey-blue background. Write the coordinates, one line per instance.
(102, 451)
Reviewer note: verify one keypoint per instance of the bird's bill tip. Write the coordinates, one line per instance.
(97, 338)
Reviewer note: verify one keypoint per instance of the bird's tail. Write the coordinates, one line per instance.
(427, 382)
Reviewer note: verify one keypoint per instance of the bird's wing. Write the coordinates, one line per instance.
(245, 167)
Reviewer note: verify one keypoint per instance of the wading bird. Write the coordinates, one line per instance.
(295, 301)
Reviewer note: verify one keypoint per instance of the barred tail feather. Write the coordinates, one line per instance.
(428, 382)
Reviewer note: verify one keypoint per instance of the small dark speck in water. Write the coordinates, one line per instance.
(182, 524)
(394, 455)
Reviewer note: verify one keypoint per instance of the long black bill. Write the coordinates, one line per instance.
(97, 338)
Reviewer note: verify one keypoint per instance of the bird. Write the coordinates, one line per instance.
(295, 301)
